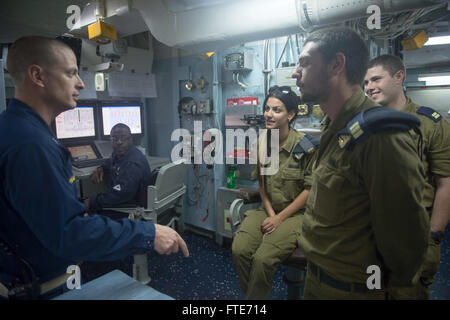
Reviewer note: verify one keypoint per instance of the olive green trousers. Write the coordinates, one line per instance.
(420, 291)
(315, 289)
(255, 259)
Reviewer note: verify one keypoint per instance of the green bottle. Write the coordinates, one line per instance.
(231, 178)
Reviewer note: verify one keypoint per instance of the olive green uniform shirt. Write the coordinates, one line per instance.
(364, 207)
(435, 150)
(292, 177)
(255, 256)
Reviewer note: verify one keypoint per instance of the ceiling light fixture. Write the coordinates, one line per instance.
(432, 41)
(435, 80)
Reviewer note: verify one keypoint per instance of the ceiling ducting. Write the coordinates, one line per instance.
(210, 25)
(203, 25)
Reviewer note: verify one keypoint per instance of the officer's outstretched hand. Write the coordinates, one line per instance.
(97, 175)
(168, 241)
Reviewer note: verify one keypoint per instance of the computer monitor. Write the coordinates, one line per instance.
(129, 113)
(83, 152)
(77, 123)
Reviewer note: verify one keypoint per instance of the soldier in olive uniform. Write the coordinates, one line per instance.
(268, 235)
(364, 228)
(384, 84)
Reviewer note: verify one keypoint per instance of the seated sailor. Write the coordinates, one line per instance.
(129, 173)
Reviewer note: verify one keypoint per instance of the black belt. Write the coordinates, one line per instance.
(340, 285)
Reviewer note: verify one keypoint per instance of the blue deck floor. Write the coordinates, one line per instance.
(208, 274)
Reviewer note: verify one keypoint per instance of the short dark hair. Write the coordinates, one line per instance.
(330, 41)
(391, 63)
(30, 50)
(285, 94)
(121, 125)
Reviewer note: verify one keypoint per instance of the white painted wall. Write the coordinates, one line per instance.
(436, 98)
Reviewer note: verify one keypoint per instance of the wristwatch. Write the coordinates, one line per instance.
(437, 236)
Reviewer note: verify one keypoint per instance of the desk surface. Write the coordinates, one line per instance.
(154, 162)
(114, 285)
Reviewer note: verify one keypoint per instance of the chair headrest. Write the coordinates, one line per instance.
(171, 176)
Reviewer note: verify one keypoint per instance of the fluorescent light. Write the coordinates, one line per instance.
(432, 41)
(436, 80)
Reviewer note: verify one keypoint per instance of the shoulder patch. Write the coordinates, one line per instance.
(373, 120)
(307, 145)
(430, 113)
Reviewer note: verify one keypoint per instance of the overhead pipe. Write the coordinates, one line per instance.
(218, 25)
(312, 13)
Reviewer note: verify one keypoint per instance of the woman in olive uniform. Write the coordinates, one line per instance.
(268, 234)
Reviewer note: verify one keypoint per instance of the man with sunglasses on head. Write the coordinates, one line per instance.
(128, 170)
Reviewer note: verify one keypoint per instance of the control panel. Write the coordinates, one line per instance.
(238, 61)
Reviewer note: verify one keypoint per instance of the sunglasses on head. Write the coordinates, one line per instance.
(281, 89)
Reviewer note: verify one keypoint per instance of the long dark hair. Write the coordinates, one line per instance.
(291, 102)
(285, 95)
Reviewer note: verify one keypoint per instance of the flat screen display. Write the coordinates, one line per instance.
(75, 123)
(129, 115)
(82, 152)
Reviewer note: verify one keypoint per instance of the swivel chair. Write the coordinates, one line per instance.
(164, 195)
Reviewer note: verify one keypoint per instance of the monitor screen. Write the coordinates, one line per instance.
(82, 152)
(129, 115)
(75, 123)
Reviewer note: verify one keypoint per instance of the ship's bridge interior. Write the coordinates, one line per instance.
(200, 69)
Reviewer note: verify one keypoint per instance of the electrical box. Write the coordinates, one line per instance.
(115, 49)
(204, 106)
(200, 107)
(102, 32)
(239, 61)
(189, 107)
(100, 81)
(225, 198)
(415, 42)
